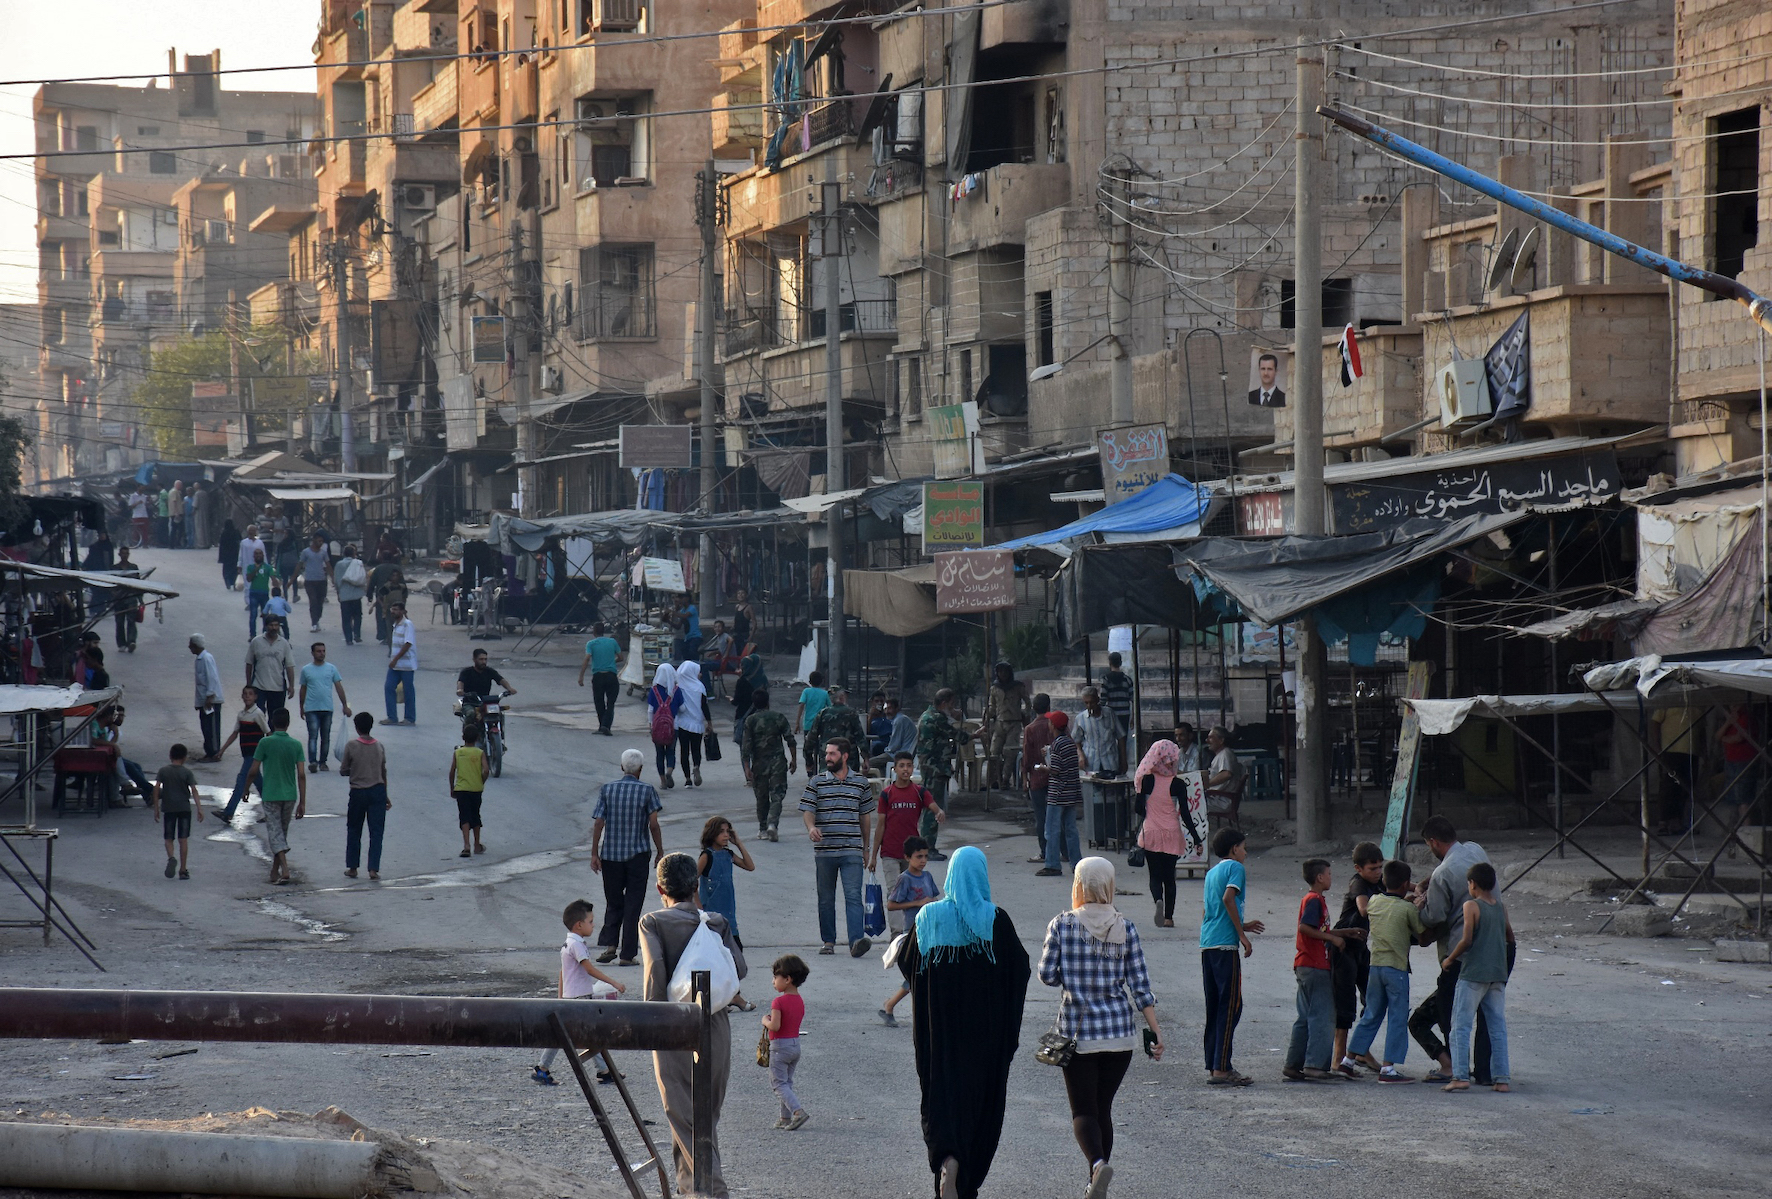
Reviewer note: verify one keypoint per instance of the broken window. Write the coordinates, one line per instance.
(1734, 188)
(613, 142)
(616, 291)
(1338, 303)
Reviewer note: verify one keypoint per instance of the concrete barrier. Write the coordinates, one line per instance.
(76, 1156)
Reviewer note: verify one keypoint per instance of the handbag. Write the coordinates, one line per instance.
(710, 741)
(1135, 859)
(763, 1050)
(1056, 1049)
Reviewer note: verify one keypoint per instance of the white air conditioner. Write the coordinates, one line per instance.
(1464, 394)
(419, 197)
(552, 380)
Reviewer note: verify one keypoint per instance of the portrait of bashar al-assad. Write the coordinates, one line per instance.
(1267, 380)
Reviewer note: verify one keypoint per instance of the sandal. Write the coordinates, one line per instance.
(1456, 1087)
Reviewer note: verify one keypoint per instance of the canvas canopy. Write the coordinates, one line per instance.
(1654, 678)
(1442, 716)
(1167, 510)
(17, 698)
(900, 603)
(53, 576)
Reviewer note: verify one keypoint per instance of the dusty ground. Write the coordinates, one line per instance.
(1640, 1066)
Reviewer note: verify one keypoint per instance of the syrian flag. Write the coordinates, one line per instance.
(1350, 357)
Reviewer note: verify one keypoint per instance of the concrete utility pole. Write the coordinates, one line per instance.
(1307, 446)
(1120, 297)
(517, 329)
(339, 252)
(831, 247)
(707, 215)
(234, 368)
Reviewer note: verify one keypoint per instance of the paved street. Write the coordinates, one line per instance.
(1640, 1067)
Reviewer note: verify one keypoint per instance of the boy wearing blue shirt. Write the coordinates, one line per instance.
(915, 887)
(1222, 932)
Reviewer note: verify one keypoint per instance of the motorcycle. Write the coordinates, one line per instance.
(488, 713)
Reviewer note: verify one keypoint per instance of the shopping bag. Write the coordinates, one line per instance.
(705, 951)
(873, 906)
(710, 745)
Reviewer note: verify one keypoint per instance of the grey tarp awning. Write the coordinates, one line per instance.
(1101, 587)
(19, 698)
(1441, 716)
(1619, 618)
(1653, 678)
(1275, 579)
(85, 578)
(900, 603)
(628, 525)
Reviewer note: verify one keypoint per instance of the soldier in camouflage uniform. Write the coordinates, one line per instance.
(837, 721)
(766, 765)
(938, 742)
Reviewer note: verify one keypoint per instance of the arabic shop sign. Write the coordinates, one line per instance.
(953, 514)
(953, 428)
(1469, 490)
(1132, 459)
(974, 581)
(489, 339)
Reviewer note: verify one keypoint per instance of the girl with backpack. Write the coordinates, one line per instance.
(663, 702)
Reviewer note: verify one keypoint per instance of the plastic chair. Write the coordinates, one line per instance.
(435, 589)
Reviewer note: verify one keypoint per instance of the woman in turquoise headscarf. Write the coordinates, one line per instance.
(968, 977)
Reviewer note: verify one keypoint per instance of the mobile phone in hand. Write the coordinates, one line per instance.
(1150, 1038)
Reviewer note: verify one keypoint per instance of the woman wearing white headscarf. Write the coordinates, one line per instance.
(1093, 953)
(662, 704)
(690, 703)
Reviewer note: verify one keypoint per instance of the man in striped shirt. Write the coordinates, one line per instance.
(837, 810)
(1064, 795)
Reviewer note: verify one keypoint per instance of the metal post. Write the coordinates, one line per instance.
(834, 481)
(707, 216)
(1307, 452)
(518, 332)
(702, 1085)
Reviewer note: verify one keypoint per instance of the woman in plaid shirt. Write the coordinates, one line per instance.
(1094, 954)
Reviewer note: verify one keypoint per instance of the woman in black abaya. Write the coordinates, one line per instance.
(968, 977)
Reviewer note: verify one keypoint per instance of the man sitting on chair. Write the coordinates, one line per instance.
(718, 654)
(1224, 777)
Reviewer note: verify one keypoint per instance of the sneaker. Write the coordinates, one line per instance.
(543, 1077)
(1047, 872)
(171, 867)
(887, 1018)
(1098, 1181)
(799, 1120)
(185, 875)
(859, 947)
(827, 949)
(782, 1122)
(1348, 1070)
(1391, 1074)
(1157, 920)
(775, 834)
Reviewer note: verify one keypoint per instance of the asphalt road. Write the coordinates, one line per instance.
(1640, 1067)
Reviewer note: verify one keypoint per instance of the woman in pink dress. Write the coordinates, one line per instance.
(1165, 797)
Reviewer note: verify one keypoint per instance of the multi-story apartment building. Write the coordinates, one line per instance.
(109, 160)
(1003, 154)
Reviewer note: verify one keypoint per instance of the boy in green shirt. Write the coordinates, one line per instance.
(283, 787)
(1396, 925)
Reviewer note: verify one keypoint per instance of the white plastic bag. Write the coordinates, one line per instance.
(705, 951)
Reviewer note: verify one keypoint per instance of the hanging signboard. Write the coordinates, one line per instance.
(1582, 477)
(1262, 514)
(662, 574)
(974, 581)
(1132, 458)
(489, 339)
(653, 446)
(953, 428)
(953, 515)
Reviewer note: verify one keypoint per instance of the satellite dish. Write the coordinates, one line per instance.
(1503, 260)
(1520, 278)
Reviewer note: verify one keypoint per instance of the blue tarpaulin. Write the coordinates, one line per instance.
(1171, 507)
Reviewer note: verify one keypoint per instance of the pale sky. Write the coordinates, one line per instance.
(63, 38)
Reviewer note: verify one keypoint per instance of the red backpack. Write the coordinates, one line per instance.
(664, 725)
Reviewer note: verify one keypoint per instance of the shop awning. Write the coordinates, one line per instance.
(900, 603)
(1102, 587)
(1275, 579)
(628, 525)
(57, 577)
(1653, 678)
(1441, 716)
(1168, 510)
(17, 699)
(309, 495)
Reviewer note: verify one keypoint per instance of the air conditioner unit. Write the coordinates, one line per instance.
(216, 233)
(552, 380)
(1464, 394)
(419, 197)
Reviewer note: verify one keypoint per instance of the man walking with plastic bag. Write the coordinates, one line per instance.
(669, 938)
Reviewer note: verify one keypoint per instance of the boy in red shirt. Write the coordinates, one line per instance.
(901, 806)
(1313, 1033)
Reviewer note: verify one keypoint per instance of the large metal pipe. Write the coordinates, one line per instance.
(75, 1156)
(1758, 306)
(53, 1013)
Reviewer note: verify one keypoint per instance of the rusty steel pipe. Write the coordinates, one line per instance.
(54, 1013)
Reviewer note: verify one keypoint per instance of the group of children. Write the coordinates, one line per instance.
(1367, 950)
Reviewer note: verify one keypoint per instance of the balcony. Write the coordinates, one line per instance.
(831, 120)
(738, 128)
(997, 213)
(348, 44)
(65, 288)
(794, 376)
(434, 105)
(417, 31)
(62, 228)
(749, 332)
(779, 198)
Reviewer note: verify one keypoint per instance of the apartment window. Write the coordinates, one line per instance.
(1055, 144)
(52, 325)
(109, 237)
(549, 151)
(147, 130)
(1338, 303)
(613, 142)
(965, 377)
(86, 137)
(913, 389)
(1734, 188)
(616, 291)
(255, 137)
(1045, 353)
(162, 163)
(609, 16)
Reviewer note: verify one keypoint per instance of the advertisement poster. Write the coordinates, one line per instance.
(953, 515)
(1132, 459)
(489, 339)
